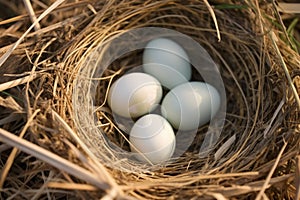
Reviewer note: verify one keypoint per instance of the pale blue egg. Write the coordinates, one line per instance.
(167, 61)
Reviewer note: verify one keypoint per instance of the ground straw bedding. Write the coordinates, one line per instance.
(45, 156)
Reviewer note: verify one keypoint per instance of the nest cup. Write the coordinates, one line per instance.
(89, 82)
(244, 136)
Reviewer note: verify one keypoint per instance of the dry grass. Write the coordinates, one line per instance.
(44, 155)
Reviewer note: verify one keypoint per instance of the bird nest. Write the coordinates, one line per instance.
(72, 63)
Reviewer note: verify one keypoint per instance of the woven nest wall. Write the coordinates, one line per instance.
(255, 155)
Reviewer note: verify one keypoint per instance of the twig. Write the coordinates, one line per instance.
(274, 117)
(291, 8)
(62, 8)
(4, 57)
(19, 81)
(286, 71)
(71, 186)
(14, 152)
(211, 11)
(31, 14)
(267, 181)
(52, 159)
(9, 102)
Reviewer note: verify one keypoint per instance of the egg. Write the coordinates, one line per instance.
(167, 61)
(190, 105)
(153, 136)
(134, 95)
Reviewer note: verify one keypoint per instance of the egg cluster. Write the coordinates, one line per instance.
(185, 107)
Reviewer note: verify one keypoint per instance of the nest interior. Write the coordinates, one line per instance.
(261, 128)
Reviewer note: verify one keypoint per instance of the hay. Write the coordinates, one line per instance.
(255, 155)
